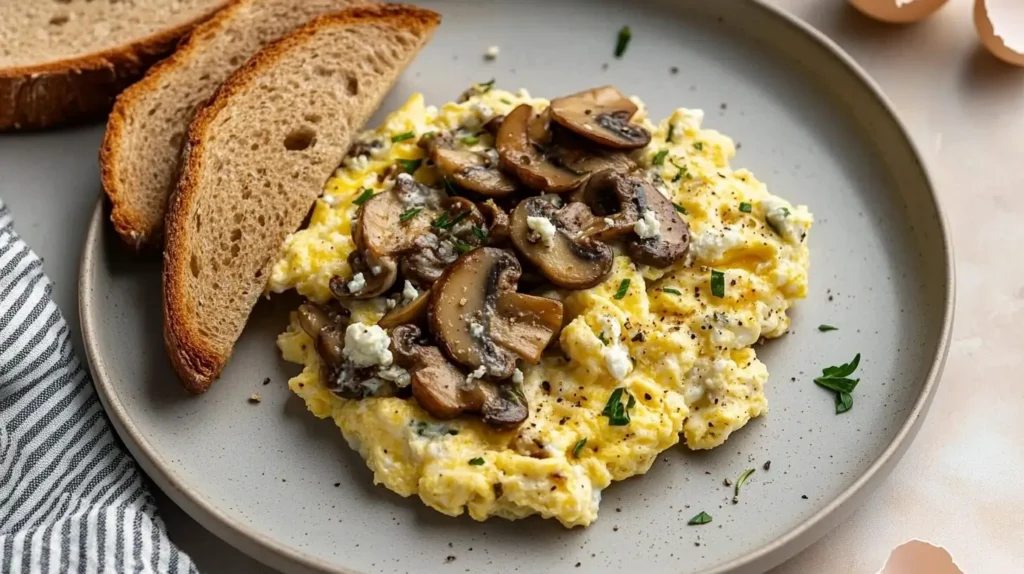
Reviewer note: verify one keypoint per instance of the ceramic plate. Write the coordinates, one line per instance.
(283, 486)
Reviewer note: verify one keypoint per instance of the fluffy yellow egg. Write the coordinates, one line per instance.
(673, 346)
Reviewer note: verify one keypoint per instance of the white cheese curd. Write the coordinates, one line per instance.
(616, 357)
(543, 227)
(492, 52)
(375, 270)
(357, 283)
(790, 222)
(476, 330)
(395, 374)
(517, 377)
(409, 293)
(728, 332)
(648, 226)
(713, 244)
(358, 163)
(552, 198)
(479, 373)
(367, 345)
(609, 221)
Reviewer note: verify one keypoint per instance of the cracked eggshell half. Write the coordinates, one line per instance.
(1000, 25)
(898, 11)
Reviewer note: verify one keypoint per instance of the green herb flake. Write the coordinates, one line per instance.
(679, 208)
(717, 283)
(462, 247)
(409, 214)
(479, 233)
(410, 165)
(702, 518)
(623, 289)
(671, 132)
(671, 291)
(485, 87)
(476, 461)
(844, 402)
(742, 479)
(659, 158)
(443, 222)
(604, 341)
(579, 446)
(470, 140)
(618, 413)
(625, 35)
(746, 207)
(363, 197)
(506, 101)
(402, 137)
(683, 172)
(699, 146)
(826, 328)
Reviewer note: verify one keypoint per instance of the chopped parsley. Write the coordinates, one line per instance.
(409, 214)
(702, 518)
(462, 247)
(671, 132)
(363, 197)
(671, 291)
(623, 289)
(402, 137)
(450, 187)
(625, 35)
(470, 140)
(746, 207)
(443, 222)
(838, 379)
(476, 461)
(826, 328)
(603, 340)
(698, 146)
(679, 208)
(742, 479)
(506, 101)
(681, 173)
(479, 233)
(410, 165)
(618, 413)
(485, 87)
(579, 446)
(659, 158)
(717, 283)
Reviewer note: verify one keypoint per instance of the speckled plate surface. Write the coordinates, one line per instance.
(282, 486)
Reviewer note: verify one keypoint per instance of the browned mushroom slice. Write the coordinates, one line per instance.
(428, 258)
(494, 124)
(566, 258)
(582, 156)
(414, 311)
(371, 277)
(443, 390)
(327, 329)
(616, 202)
(672, 239)
(517, 143)
(601, 115)
(390, 222)
(467, 318)
(497, 222)
(468, 169)
(525, 324)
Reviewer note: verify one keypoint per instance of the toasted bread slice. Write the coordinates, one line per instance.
(256, 158)
(142, 144)
(63, 61)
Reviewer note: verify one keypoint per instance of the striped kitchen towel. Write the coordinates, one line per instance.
(71, 500)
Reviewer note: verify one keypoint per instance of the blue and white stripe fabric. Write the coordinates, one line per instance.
(71, 499)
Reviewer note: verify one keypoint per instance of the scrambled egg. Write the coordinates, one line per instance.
(678, 342)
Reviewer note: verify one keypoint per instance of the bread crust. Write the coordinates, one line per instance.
(196, 359)
(82, 88)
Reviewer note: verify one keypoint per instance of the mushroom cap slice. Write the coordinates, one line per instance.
(327, 329)
(570, 261)
(379, 274)
(671, 244)
(463, 303)
(380, 229)
(582, 156)
(497, 222)
(518, 137)
(526, 324)
(414, 311)
(468, 169)
(428, 259)
(602, 116)
(442, 390)
(617, 202)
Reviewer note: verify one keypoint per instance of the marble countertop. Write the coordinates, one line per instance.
(959, 484)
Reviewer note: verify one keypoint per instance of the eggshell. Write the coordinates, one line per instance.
(898, 11)
(1000, 25)
(919, 557)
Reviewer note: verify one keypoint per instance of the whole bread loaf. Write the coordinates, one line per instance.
(257, 157)
(142, 144)
(63, 61)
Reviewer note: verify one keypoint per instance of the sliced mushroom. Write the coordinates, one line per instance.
(428, 258)
(673, 241)
(616, 202)
(494, 124)
(601, 115)
(443, 391)
(569, 260)
(582, 156)
(371, 277)
(497, 222)
(474, 329)
(413, 312)
(389, 223)
(468, 169)
(521, 133)
(455, 231)
(327, 329)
